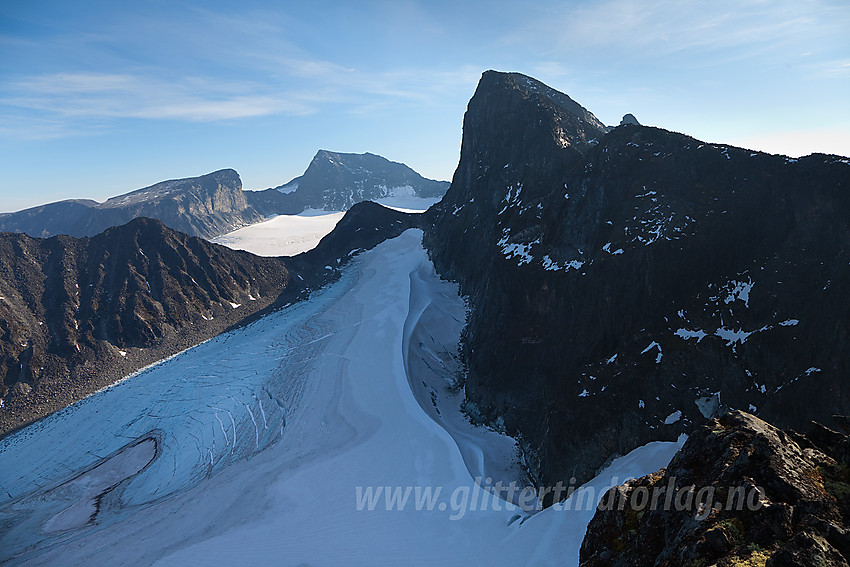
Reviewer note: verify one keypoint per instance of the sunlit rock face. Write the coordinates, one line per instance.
(626, 284)
(204, 206)
(760, 496)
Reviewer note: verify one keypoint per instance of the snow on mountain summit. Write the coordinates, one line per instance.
(335, 181)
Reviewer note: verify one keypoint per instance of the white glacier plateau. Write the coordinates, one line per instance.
(283, 235)
(288, 235)
(249, 449)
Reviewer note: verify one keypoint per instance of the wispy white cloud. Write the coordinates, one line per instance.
(640, 29)
(210, 66)
(105, 95)
(836, 68)
(14, 126)
(70, 104)
(205, 66)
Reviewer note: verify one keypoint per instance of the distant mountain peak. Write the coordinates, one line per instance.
(206, 205)
(222, 177)
(337, 181)
(349, 159)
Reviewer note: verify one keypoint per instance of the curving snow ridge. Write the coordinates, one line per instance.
(319, 398)
(431, 361)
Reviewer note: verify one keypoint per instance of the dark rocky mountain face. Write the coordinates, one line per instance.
(76, 314)
(336, 181)
(625, 284)
(46, 220)
(205, 206)
(798, 518)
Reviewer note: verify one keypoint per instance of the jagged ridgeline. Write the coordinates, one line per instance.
(626, 283)
(740, 492)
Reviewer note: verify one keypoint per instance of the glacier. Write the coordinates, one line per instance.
(288, 235)
(282, 235)
(249, 449)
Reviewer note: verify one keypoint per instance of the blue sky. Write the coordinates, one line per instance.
(100, 98)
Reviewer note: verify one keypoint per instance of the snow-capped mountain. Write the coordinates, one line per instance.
(336, 181)
(205, 206)
(625, 284)
(620, 287)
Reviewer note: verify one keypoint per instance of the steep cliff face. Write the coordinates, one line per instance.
(625, 284)
(740, 492)
(205, 206)
(336, 181)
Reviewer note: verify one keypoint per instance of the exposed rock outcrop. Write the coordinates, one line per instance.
(215, 204)
(629, 119)
(742, 493)
(76, 314)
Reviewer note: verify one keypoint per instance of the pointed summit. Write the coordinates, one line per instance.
(598, 271)
(534, 88)
(509, 96)
(516, 129)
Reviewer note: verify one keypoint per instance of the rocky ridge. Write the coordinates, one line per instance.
(743, 493)
(214, 204)
(76, 314)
